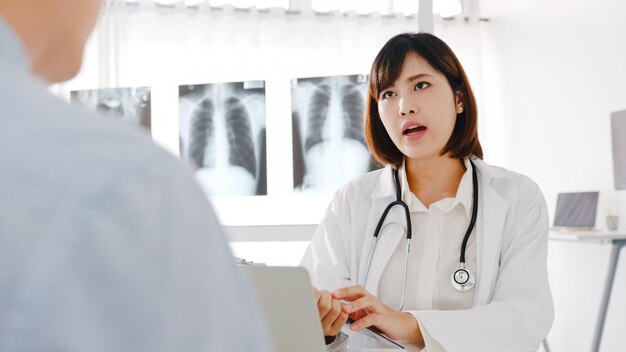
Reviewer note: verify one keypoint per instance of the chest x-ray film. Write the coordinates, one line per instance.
(329, 146)
(222, 134)
(618, 134)
(129, 105)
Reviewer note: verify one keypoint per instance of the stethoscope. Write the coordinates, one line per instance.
(462, 279)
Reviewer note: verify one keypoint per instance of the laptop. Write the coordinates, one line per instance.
(576, 211)
(287, 301)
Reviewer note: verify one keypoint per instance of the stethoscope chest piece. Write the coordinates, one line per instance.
(463, 279)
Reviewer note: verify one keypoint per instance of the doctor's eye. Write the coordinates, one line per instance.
(386, 95)
(422, 85)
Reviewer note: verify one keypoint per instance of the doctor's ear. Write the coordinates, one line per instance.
(458, 101)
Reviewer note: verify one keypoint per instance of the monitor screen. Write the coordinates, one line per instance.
(618, 134)
(576, 209)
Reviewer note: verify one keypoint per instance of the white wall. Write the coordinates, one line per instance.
(546, 73)
(556, 71)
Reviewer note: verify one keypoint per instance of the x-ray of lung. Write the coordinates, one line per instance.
(329, 146)
(222, 134)
(129, 105)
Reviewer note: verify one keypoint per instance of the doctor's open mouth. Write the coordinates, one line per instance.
(413, 130)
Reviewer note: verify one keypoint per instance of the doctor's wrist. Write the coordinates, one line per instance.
(415, 334)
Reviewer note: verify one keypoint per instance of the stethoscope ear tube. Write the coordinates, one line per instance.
(399, 202)
(407, 213)
(464, 279)
(474, 212)
(369, 260)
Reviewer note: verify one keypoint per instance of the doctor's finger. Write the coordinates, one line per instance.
(339, 322)
(350, 293)
(328, 322)
(367, 303)
(333, 313)
(365, 322)
(324, 303)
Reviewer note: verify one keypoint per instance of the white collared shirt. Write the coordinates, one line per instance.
(437, 235)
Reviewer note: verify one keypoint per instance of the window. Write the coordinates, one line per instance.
(445, 8)
(360, 6)
(260, 4)
(406, 7)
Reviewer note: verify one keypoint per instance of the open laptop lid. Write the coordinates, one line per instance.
(576, 210)
(286, 298)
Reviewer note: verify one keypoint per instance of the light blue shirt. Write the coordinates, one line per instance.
(106, 242)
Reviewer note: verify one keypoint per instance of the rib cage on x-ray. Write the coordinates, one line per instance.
(223, 126)
(353, 113)
(317, 114)
(241, 151)
(238, 129)
(202, 133)
(352, 101)
(328, 109)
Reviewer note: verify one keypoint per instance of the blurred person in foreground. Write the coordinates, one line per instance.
(106, 242)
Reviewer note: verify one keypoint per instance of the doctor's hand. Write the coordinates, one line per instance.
(332, 316)
(368, 311)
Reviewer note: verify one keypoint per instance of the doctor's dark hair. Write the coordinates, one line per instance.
(385, 71)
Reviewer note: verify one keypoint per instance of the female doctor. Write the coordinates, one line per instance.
(438, 249)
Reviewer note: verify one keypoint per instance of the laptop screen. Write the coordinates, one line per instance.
(576, 209)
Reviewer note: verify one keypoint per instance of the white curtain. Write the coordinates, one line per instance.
(164, 47)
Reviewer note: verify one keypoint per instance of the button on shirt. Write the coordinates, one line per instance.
(438, 233)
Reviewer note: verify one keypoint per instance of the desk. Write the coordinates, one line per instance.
(617, 240)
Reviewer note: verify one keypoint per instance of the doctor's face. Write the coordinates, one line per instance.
(419, 110)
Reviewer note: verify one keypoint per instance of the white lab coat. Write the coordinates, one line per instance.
(512, 309)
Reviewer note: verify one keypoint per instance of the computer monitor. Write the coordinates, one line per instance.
(618, 134)
(576, 210)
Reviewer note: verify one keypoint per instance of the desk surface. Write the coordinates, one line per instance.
(591, 236)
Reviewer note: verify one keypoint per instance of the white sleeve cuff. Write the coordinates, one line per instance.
(430, 344)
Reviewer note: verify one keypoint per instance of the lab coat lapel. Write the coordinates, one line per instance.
(389, 237)
(492, 213)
